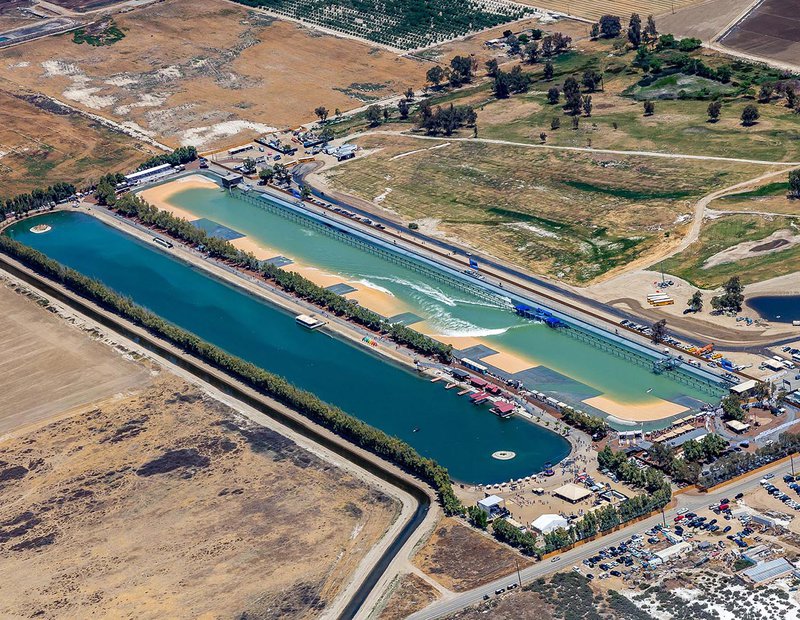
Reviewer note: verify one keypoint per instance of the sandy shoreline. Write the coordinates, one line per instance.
(385, 304)
(645, 412)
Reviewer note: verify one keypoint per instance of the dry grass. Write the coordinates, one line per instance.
(411, 594)
(161, 503)
(166, 505)
(460, 558)
(47, 368)
(575, 216)
(728, 231)
(12, 14)
(42, 143)
(213, 74)
(591, 9)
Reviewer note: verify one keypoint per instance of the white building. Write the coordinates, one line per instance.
(549, 523)
(673, 551)
(149, 174)
(491, 505)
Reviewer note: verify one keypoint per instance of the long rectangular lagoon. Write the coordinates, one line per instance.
(590, 377)
(436, 422)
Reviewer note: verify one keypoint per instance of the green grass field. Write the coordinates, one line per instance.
(617, 121)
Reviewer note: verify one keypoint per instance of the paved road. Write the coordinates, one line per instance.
(566, 560)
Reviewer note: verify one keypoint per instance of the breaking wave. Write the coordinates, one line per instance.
(375, 287)
(436, 294)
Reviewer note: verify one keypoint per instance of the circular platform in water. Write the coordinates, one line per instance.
(40, 228)
(504, 455)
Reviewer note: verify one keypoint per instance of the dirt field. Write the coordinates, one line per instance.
(13, 14)
(522, 605)
(702, 20)
(475, 44)
(460, 558)
(590, 9)
(214, 80)
(725, 234)
(411, 595)
(47, 368)
(86, 5)
(166, 505)
(41, 143)
(574, 216)
(770, 31)
(162, 502)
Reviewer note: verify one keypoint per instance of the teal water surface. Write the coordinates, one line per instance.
(570, 369)
(435, 421)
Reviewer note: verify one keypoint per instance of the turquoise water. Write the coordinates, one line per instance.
(570, 370)
(458, 435)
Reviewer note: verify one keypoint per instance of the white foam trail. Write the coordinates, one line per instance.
(438, 295)
(424, 289)
(477, 332)
(448, 325)
(375, 287)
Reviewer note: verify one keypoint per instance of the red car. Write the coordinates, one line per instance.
(678, 518)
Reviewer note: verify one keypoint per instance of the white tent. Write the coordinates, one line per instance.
(548, 523)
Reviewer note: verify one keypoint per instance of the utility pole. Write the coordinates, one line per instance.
(791, 460)
(519, 577)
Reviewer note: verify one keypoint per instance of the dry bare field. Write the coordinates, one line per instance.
(41, 143)
(162, 502)
(460, 558)
(591, 9)
(411, 594)
(47, 368)
(165, 504)
(211, 80)
(13, 14)
(704, 19)
(771, 31)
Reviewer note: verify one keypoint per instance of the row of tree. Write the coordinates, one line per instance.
(36, 199)
(445, 120)
(647, 478)
(290, 281)
(181, 155)
(594, 522)
(376, 441)
(591, 424)
(610, 27)
(738, 463)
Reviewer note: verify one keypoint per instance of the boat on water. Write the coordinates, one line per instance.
(309, 322)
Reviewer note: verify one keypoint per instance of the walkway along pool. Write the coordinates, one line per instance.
(437, 423)
(598, 373)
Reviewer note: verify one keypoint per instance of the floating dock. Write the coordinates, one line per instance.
(309, 322)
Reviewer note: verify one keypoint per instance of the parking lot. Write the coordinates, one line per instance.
(726, 528)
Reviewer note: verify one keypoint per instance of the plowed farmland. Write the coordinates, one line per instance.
(772, 31)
